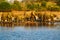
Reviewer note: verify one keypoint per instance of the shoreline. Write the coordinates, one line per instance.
(29, 23)
(29, 17)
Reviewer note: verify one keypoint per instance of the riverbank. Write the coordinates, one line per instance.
(30, 15)
(28, 24)
(34, 18)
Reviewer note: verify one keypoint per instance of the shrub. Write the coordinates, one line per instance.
(30, 6)
(43, 4)
(54, 8)
(5, 6)
(37, 7)
(16, 6)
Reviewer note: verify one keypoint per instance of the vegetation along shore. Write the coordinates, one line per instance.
(32, 11)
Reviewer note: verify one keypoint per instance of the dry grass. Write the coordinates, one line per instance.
(28, 13)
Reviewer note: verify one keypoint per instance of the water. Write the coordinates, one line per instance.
(30, 33)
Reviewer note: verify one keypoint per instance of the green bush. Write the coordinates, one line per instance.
(37, 7)
(54, 8)
(43, 4)
(16, 6)
(30, 6)
(5, 6)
